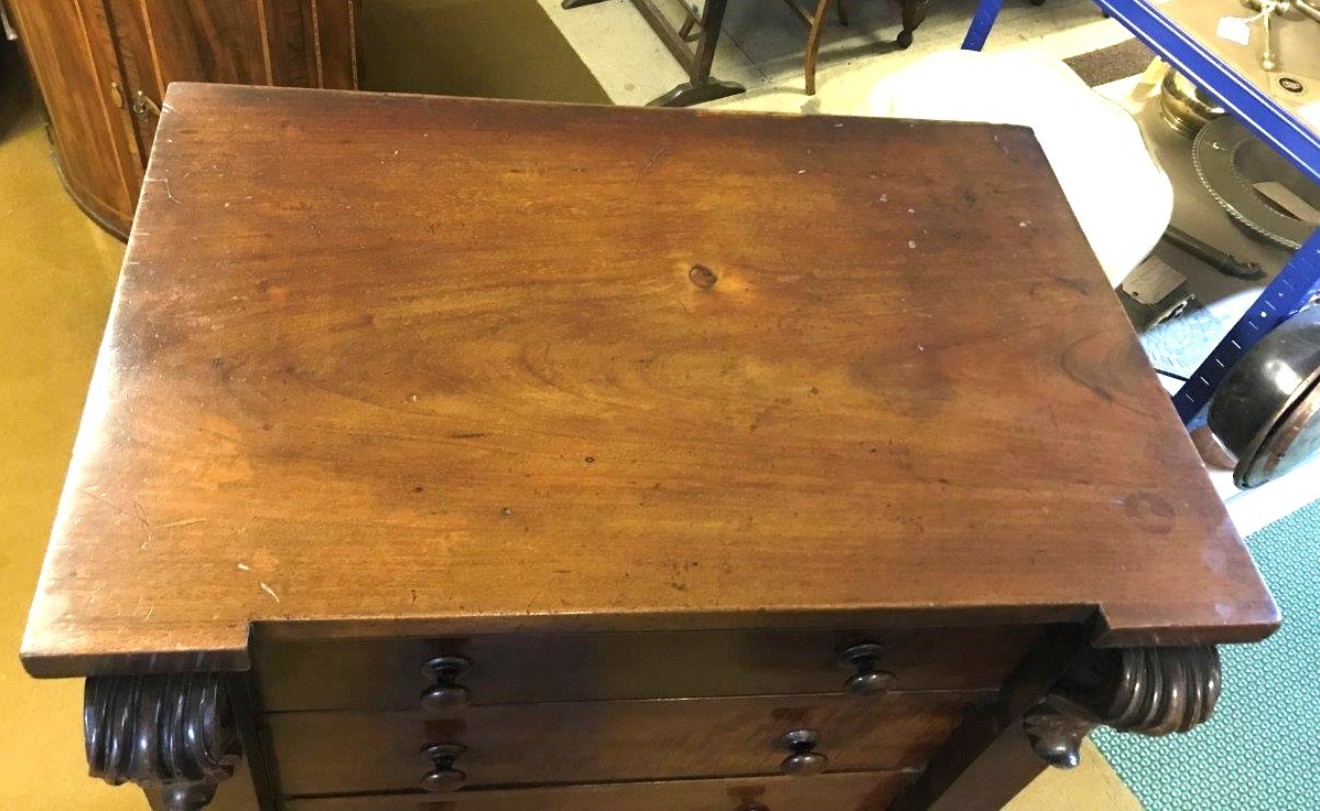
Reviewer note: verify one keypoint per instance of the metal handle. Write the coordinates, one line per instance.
(144, 106)
(868, 679)
(803, 760)
(447, 693)
(1269, 60)
(444, 776)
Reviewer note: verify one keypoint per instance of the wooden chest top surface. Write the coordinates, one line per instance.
(380, 363)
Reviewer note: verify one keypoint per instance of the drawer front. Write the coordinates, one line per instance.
(582, 742)
(389, 673)
(866, 791)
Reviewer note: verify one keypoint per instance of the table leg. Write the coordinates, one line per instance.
(914, 14)
(175, 735)
(699, 87)
(999, 750)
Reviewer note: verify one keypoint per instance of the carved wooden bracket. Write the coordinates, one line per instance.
(1150, 691)
(174, 735)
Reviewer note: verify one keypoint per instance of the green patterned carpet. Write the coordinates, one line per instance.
(1261, 750)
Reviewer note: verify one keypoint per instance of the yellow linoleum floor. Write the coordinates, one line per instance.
(58, 272)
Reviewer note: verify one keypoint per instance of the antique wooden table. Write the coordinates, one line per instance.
(454, 454)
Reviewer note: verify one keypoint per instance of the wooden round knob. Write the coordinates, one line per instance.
(867, 679)
(446, 693)
(447, 667)
(444, 777)
(442, 780)
(870, 683)
(445, 697)
(804, 765)
(803, 760)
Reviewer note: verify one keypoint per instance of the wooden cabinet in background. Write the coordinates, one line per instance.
(102, 67)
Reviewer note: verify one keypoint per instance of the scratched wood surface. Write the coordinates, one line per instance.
(386, 364)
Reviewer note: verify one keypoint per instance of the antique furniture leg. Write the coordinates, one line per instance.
(699, 87)
(1150, 691)
(815, 22)
(174, 735)
(993, 756)
(813, 43)
(914, 14)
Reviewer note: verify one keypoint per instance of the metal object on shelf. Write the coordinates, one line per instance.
(1267, 410)
(1230, 161)
(1153, 293)
(1242, 96)
(1225, 263)
(1266, 11)
(1184, 106)
(1269, 60)
(1279, 125)
(1295, 287)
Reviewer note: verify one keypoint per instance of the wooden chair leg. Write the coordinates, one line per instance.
(813, 44)
(914, 14)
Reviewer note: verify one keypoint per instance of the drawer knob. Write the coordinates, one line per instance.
(446, 693)
(803, 760)
(868, 679)
(444, 777)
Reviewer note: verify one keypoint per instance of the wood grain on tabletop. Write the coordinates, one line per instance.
(489, 365)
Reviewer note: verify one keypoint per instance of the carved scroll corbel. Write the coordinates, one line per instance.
(1149, 691)
(173, 735)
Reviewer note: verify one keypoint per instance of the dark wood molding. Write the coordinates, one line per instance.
(1059, 696)
(174, 735)
(1149, 691)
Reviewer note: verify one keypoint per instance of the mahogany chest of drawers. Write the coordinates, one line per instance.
(466, 455)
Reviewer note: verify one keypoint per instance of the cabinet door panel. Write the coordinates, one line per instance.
(208, 41)
(73, 61)
(103, 67)
(336, 48)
